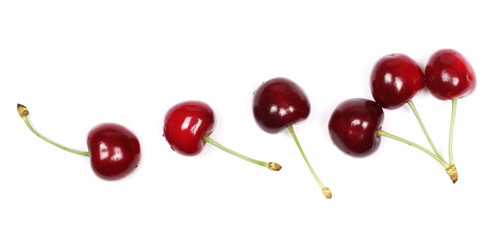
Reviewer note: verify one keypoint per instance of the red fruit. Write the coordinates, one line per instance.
(279, 103)
(449, 75)
(114, 151)
(395, 80)
(353, 126)
(186, 124)
(187, 127)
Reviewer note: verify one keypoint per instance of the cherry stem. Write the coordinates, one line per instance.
(451, 133)
(326, 191)
(23, 112)
(382, 133)
(413, 108)
(271, 165)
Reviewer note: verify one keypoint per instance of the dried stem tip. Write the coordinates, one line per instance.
(274, 166)
(452, 172)
(22, 110)
(326, 192)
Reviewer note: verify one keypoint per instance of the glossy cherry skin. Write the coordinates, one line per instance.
(449, 75)
(353, 126)
(114, 151)
(186, 124)
(395, 80)
(279, 103)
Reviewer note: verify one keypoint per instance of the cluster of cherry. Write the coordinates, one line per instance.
(354, 126)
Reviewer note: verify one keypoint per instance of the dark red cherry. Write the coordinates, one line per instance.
(395, 80)
(114, 151)
(279, 103)
(353, 126)
(186, 124)
(449, 75)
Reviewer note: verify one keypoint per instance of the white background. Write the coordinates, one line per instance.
(76, 64)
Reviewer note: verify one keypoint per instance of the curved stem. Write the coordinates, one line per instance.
(413, 108)
(438, 158)
(326, 191)
(451, 133)
(271, 165)
(23, 112)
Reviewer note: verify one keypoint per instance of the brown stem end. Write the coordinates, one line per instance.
(22, 110)
(326, 192)
(452, 172)
(274, 166)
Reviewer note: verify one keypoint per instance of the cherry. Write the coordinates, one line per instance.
(395, 80)
(353, 126)
(187, 127)
(186, 124)
(278, 104)
(449, 75)
(114, 151)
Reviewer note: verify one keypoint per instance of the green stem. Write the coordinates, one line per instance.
(82, 153)
(271, 165)
(438, 158)
(451, 133)
(413, 108)
(326, 191)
